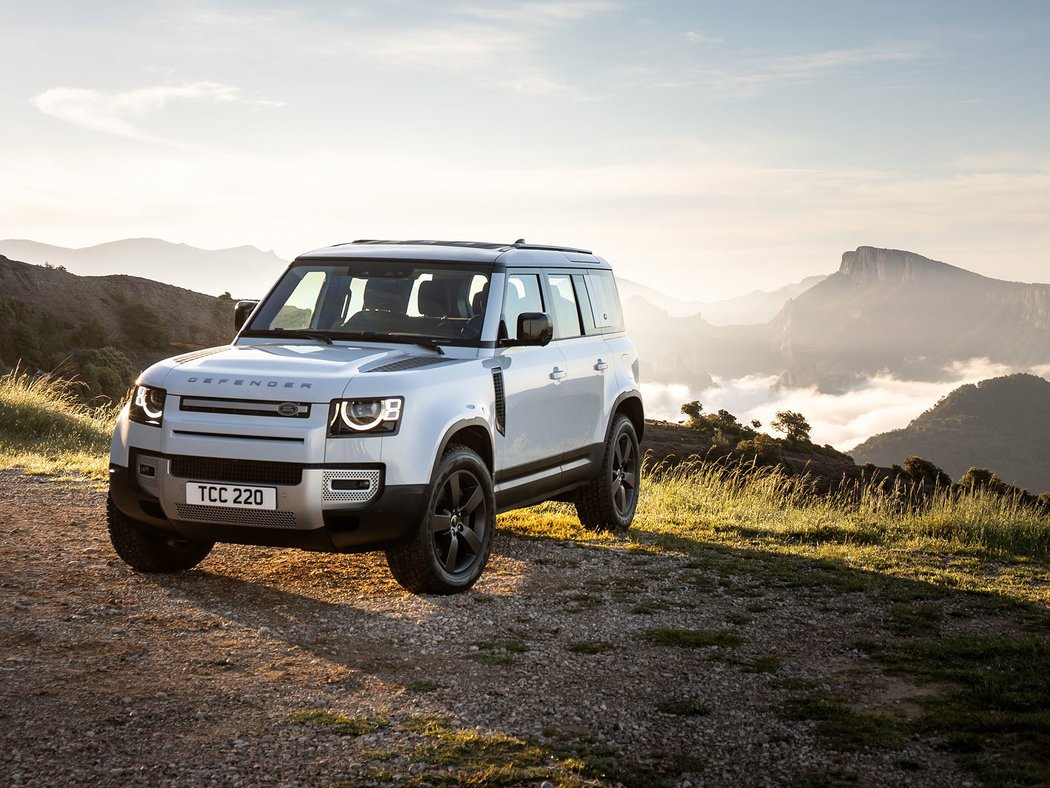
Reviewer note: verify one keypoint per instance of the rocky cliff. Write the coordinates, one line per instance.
(897, 311)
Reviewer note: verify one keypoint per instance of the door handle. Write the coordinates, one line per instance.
(601, 366)
(557, 373)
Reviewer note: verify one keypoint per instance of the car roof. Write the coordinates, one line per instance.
(516, 254)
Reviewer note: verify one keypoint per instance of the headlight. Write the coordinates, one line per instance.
(147, 405)
(358, 416)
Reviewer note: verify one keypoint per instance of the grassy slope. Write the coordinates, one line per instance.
(973, 555)
(43, 429)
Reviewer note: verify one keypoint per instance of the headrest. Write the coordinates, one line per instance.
(433, 299)
(389, 295)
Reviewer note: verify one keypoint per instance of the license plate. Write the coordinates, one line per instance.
(233, 496)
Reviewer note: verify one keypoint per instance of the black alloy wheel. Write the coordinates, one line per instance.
(609, 501)
(625, 475)
(458, 522)
(451, 546)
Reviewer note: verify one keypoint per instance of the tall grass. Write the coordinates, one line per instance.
(44, 428)
(947, 537)
(766, 504)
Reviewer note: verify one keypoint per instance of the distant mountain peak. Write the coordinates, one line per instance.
(869, 265)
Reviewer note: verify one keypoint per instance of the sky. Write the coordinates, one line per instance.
(707, 149)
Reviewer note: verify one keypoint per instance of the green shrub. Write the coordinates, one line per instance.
(925, 471)
(143, 328)
(764, 448)
(106, 372)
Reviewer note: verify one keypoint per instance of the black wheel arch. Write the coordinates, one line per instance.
(629, 404)
(473, 433)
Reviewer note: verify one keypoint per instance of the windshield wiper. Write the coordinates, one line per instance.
(300, 332)
(424, 342)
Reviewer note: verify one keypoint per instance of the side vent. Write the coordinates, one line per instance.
(501, 402)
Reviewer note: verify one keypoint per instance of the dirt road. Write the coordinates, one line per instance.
(289, 668)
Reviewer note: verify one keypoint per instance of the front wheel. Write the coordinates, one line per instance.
(452, 544)
(150, 550)
(608, 503)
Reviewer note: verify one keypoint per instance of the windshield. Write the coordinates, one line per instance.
(377, 300)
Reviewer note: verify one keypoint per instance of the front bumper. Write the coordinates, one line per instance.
(331, 508)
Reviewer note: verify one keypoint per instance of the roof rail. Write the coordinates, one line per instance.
(472, 244)
(520, 244)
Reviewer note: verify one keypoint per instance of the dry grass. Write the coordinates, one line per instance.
(45, 429)
(972, 541)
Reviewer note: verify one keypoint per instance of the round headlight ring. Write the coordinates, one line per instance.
(355, 421)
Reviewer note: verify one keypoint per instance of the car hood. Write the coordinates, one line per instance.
(300, 372)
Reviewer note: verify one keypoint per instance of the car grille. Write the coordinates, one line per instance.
(218, 469)
(245, 407)
(225, 516)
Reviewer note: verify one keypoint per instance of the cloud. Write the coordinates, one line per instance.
(538, 85)
(531, 15)
(455, 47)
(879, 404)
(752, 74)
(112, 113)
(697, 37)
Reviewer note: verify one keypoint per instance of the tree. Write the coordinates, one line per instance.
(793, 425)
(724, 420)
(692, 411)
(981, 479)
(925, 471)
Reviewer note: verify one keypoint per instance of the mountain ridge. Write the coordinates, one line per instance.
(1002, 424)
(243, 271)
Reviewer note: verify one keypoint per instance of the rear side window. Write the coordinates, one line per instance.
(564, 310)
(605, 301)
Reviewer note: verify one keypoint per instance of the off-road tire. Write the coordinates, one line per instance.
(151, 550)
(608, 503)
(461, 511)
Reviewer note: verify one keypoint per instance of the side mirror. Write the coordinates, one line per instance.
(242, 312)
(534, 328)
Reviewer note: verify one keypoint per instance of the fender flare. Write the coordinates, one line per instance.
(446, 439)
(634, 394)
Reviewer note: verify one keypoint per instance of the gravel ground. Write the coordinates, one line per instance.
(110, 677)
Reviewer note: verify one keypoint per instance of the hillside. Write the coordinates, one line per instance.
(1002, 424)
(242, 271)
(50, 317)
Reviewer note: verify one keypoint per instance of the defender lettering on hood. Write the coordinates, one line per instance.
(270, 384)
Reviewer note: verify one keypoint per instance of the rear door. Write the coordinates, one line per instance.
(582, 393)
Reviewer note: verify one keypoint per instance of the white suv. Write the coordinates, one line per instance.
(388, 395)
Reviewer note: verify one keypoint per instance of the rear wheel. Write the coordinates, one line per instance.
(452, 544)
(609, 502)
(151, 550)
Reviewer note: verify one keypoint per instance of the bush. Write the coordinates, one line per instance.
(143, 328)
(925, 471)
(91, 334)
(106, 372)
(764, 448)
